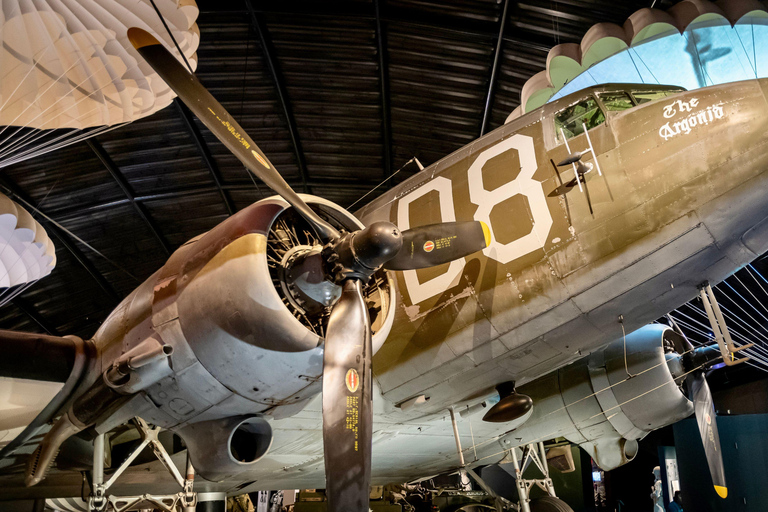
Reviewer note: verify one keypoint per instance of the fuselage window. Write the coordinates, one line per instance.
(572, 120)
(646, 96)
(616, 101)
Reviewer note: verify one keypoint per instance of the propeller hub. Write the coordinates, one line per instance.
(358, 255)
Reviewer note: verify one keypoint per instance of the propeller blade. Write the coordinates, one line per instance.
(221, 124)
(347, 415)
(435, 244)
(705, 416)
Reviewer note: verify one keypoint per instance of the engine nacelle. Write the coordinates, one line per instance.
(224, 448)
(239, 341)
(606, 402)
(238, 315)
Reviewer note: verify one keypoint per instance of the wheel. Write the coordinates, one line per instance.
(549, 504)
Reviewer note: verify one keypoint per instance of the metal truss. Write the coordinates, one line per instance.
(100, 501)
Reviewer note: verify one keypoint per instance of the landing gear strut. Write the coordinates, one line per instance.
(534, 452)
(184, 500)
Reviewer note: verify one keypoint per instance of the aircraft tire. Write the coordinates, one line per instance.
(549, 504)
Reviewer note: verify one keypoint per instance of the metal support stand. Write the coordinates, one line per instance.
(462, 472)
(722, 335)
(98, 501)
(185, 500)
(533, 452)
(465, 472)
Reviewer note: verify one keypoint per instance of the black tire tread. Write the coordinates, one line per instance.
(549, 504)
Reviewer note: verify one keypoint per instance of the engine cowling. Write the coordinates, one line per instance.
(243, 341)
(224, 448)
(242, 319)
(605, 402)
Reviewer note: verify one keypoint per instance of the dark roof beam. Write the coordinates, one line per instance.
(205, 153)
(477, 28)
(277, 77)
(191, 191)
(64, 239)
(113, 170)
(494, 71)
(386, 112)
(34, 315)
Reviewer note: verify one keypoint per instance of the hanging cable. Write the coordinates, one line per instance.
(162, 19)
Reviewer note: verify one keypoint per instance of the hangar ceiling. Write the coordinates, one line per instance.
(338, 94)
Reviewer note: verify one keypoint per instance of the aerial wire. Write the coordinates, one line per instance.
(382, 182)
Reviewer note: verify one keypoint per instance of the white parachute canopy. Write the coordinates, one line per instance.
(68, 71)
(26, 252)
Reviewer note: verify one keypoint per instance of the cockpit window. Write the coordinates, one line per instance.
(616, 101)
(646, 96)
(571, 121)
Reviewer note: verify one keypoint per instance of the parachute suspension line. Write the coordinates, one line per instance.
(18, 291)
(12, 291)
(57, 101)
(745, 338)
(6, 153)
(752, 271)
(34, 134)
(70, 233)
(39, 94)
(29, 72)
(82, 136)
(755, 363)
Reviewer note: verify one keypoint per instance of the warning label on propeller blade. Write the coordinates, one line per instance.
(353, 418)
(353, 380)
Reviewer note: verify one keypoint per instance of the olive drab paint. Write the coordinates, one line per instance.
(656, 160)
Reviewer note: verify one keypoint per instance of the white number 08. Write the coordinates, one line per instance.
(523, 184)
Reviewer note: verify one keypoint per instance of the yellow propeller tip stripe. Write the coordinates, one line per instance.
(721, 491)
(486, 233)
(140, 38)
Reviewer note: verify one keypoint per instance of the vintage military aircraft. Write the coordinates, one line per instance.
(397, 320)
